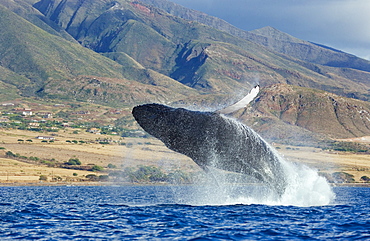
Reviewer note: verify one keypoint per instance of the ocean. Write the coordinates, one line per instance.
(191, 212)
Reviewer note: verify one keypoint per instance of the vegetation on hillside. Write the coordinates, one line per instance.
(347, 147)
(51, 119)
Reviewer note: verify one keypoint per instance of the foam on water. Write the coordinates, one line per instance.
(304, 188)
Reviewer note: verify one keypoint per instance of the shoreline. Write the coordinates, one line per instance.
(87, 184)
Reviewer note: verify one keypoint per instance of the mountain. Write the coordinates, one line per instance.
(156, 40)
(316, 57)
(199, 56)
(296, 114)
(130, 33)
(127, 52)
(39, 63)
(32, 52)
(307, 51)
(271, 38)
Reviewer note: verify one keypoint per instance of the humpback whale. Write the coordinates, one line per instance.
(213, 140)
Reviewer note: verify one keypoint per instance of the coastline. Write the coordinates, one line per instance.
(53, 184)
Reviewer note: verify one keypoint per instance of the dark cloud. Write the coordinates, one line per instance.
(342, 24)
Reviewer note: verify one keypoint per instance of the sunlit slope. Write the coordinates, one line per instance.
(40, 56)
(289, 113)
(37, 62)
(141, 38)
(25, 9)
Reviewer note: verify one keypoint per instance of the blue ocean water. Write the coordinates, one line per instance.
(175, 213)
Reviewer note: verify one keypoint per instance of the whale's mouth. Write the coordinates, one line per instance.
(149, 111)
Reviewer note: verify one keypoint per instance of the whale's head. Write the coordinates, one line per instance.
(153, 118)
(179, 129)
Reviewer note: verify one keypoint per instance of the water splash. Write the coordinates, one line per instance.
(304, 187)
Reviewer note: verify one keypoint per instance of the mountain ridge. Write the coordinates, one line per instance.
(263, 37)
(127, 52)
(171, 36)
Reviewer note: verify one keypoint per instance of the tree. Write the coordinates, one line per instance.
(33, 158)
(57, 179)
(73, 161)
(97, 168)
(92, 177)
(145, 174)
(365, 179)
(157, 176)
(43, 178)
(179, 176)
(343, 177)
(103, 178)
(111, 166)
(10, 154)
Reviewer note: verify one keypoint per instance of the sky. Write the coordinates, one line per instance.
(340, 24)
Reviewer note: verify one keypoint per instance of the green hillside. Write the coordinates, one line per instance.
(39, 63)
(25, 9)
(40, 56)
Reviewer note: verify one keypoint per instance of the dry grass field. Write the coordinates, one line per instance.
(134, 152)
(329, 161)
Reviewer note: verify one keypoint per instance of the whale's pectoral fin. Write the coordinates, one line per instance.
(241, 103)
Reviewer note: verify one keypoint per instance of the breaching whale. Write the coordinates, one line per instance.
(213, 140)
